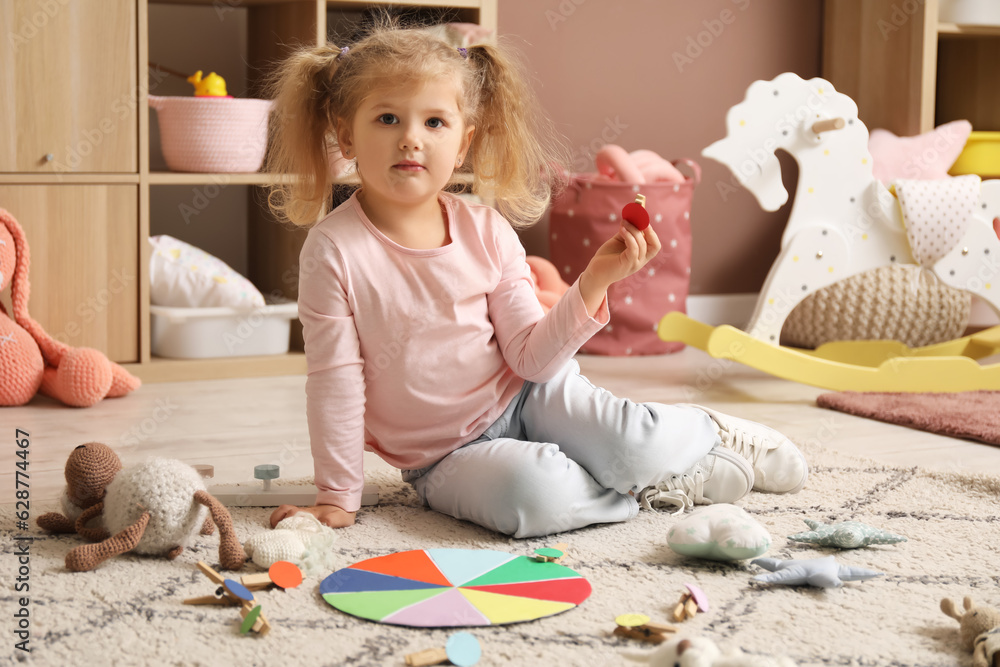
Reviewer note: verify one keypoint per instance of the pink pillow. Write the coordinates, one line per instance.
(927, 156)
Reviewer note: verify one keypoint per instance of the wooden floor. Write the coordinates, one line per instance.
(236, 424)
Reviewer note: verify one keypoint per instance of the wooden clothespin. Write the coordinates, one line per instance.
(231, 592)
(635, 212)
(222, 595)
(554, 554)
(461, 649)
(253, 620)
(638, 626)
(692, 601)
(282, 574)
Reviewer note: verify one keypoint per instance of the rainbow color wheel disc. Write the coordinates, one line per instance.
(438, 588)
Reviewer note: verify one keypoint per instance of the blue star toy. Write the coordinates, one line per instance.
(823, 572)
(845, 535)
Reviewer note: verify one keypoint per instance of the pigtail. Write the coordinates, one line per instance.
(302, 127)
(515, 151)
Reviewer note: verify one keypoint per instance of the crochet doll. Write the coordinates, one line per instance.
(30, 359)
(152, 508)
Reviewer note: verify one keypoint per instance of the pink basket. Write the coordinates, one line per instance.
(212, 134)
(586, 214)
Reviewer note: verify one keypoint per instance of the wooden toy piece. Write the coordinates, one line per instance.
(462, 649)
(431, 656)
(224, 595)
(284, 574)
(205, 470)
(828, 125)
(638, 626)
(266, 472)
(254, 620)
(692, 601)
(257, 581)
(249, 494)
(548, 555)
(636, 213)
(238, 590)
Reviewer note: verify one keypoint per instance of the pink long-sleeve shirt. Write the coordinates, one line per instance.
(413, 353)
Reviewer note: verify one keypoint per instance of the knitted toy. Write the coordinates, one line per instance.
(89, 470)
(975, 626)
(549, 285)
(30, 359)
(152, 508)
(299, 539)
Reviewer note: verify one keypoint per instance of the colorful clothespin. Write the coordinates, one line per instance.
(638, 626)
(461, 649)
(692, 601)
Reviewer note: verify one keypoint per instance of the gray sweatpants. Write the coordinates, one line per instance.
(564, 455)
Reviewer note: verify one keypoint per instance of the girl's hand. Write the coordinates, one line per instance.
(330, 515)
(622, 255)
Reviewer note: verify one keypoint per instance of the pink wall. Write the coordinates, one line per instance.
(636, 65)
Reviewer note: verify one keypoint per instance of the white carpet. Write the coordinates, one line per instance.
(129, 611)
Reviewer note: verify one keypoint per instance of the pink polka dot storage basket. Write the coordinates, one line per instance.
(586, 214)
(212, 134)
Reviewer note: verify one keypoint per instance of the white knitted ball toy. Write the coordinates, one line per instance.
(165, 488)
(301, 539)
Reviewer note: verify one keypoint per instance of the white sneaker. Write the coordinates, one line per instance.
(778, 465)
(722, 476)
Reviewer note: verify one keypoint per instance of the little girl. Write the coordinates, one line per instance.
(424, 340)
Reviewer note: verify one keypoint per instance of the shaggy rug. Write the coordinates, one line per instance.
(965, 414)
(129, 611)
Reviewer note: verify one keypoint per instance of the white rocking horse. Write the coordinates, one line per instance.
(843, 222)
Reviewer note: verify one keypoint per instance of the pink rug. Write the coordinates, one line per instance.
(967, 414)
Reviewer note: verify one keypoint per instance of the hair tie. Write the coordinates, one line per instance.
(464, 52)
(343, 52)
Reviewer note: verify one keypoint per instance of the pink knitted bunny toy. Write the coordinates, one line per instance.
(30, 359)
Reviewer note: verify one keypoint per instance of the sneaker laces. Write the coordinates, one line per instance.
(682, 491)
(749, 446)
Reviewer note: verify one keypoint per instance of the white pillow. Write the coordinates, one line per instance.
(183, 276)
(719, 532)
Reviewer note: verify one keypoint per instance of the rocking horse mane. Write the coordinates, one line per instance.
(775, 115)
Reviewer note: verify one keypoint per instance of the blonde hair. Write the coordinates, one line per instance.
(515, 156)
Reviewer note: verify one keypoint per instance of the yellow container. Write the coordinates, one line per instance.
(980, 156)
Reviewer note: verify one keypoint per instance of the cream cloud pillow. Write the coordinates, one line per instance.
(184, 276)
(719, 532)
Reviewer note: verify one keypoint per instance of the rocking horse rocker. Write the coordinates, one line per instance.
(844, 222)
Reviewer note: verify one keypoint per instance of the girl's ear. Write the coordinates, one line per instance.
(466, 142)
(345, 140)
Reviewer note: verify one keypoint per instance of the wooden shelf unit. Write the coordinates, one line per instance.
(76, 169)
(909, 72)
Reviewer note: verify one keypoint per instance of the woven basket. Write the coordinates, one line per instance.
(212, 134)
(882, 304)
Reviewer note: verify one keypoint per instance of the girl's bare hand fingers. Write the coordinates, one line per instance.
(652, 240)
